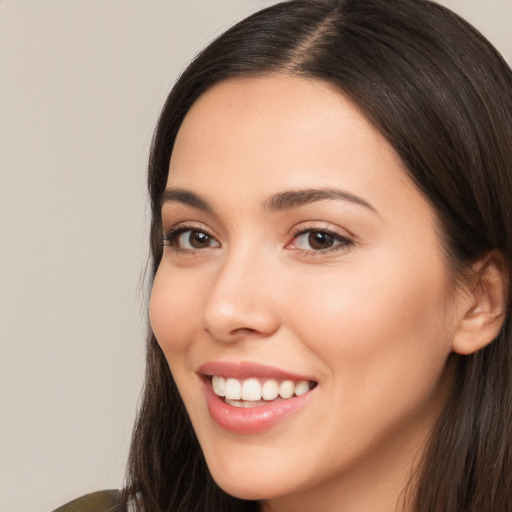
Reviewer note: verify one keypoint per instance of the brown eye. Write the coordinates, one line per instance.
(195, 239)
(317, 240)
(187, 239)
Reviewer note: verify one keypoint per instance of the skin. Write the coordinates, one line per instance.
(372, 320)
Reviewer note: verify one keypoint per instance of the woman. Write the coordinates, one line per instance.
(331, 240)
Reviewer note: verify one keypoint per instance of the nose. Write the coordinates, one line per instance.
(241, 302)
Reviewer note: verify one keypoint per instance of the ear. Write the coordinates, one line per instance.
(483, 319)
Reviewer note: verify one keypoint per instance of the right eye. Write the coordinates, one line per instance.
(189, 239)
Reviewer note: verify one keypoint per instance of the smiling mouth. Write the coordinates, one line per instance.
(255, 392)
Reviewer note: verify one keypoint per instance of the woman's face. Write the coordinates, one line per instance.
(300, 259)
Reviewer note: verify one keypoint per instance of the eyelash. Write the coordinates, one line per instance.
(342, 242)
(171, 239)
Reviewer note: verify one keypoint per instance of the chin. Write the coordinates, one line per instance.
(247, 488)
(253, 481)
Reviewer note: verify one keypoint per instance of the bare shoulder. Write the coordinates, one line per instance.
(102, 501)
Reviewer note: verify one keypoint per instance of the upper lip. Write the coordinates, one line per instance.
(245, 370)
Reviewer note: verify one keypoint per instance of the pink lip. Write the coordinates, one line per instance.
(255, 419)
(246, 370)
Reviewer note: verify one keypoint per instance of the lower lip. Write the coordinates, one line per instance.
(252, 419)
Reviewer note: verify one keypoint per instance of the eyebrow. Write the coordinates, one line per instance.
(281, 201)
(179, 195)
(296, 198)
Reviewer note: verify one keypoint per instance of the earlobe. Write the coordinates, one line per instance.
(483, 319)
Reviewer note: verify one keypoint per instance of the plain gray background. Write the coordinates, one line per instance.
(81, 85)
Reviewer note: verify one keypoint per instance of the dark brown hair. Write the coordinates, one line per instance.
(442, 96)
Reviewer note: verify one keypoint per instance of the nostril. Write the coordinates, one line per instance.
(238, 322)
(245, 330)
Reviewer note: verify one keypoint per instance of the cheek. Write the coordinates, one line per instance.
(173, 313)
(384, 349)
(173, 306)
(368, 325)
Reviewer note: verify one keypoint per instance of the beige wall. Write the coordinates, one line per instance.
(81, 84)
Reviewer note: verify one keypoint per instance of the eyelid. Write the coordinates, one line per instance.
(173, 232)
(342, 241)
(345, 241)
(306, 226)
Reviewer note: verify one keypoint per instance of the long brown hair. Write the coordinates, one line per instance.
(442, 96)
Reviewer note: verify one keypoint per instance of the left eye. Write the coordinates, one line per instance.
(319, 240)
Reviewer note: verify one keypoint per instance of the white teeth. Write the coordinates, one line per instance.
(251, 390)
(269, 390)
(244, 404)
(286, 389)
(248, 391)
(219, 385)
(302, 387)
(233, 389)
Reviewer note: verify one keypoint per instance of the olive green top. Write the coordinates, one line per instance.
(102, 501)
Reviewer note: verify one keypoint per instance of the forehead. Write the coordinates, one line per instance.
(282, 131)
(246, 141)
(279, 105)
